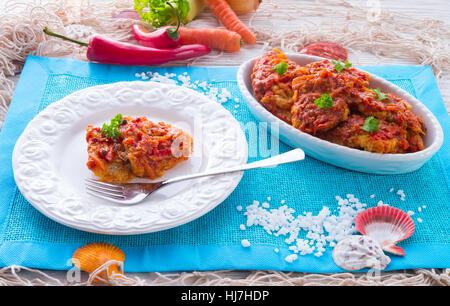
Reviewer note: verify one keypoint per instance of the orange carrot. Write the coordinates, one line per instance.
(221, 39)
(228, 17)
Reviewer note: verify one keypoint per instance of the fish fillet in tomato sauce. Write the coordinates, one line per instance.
(144, 149)
(272, 90)
(292, 97)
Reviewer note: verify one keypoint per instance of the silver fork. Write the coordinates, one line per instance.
(132, 193)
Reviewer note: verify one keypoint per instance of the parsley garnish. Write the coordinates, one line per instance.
(325, 101)
(370, 124)
(281, 68)
(112, 131)
(339, 67)
(380, 96)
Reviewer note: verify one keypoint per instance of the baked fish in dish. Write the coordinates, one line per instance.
(333, 101)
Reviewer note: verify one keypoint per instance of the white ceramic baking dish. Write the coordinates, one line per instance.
(342, 156)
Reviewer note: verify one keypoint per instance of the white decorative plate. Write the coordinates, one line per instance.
(342, 156)
(49, 159)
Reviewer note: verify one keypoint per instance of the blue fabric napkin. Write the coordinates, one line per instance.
(213, 241)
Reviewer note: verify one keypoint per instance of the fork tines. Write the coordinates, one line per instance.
(104, 190)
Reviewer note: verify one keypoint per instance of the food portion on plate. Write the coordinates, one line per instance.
(271, 81)
(135, 147)
(333, 101)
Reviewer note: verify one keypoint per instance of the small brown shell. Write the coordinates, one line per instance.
(326, 49)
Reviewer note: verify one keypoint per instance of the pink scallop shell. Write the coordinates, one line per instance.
(387, 225)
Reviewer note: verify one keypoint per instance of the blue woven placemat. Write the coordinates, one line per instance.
(213, 241)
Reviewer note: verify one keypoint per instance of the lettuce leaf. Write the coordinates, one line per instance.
(158, 13)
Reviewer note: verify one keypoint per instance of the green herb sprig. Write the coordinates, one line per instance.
(341, 66)
(281, 68)
(325, 101)
(371, 124)
(112, 130)
(380, 96)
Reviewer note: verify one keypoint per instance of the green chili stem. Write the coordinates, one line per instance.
(175, 33)
(50, 33)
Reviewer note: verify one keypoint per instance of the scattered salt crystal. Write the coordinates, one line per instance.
(269, 198)
(410, 213)
(245, 243)
(372, 196)
(242, 227)
(291, 258)
(283, 201)
(419, 209)
(236, 100)
(321, 229)
(391, 190)
(236, 106)
(138, 75)
(224, 96)
(239, 208)
(265, 205)
(424, 206)
(276, 250)
(419, 220)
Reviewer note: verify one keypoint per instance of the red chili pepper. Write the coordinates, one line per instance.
(156, 39)
(104, 50)
(163, 38)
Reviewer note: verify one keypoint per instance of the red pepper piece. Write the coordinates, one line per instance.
(163, 38)
(104, 50)
(326, 49)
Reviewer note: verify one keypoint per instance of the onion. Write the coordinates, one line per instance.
(244, 6)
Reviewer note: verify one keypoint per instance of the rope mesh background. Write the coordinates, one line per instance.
(305, 186)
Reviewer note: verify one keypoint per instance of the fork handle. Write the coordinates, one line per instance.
(288, 157)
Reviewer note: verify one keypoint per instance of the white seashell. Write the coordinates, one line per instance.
(358, 252)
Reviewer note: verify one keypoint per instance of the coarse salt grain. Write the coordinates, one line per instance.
(321, 229)
(239, 208)
(245, 243)
(184, 80)
(276, 250)
(419, 220)
(242, 227)
(419, 209)
(372, 196)
(291, 258)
